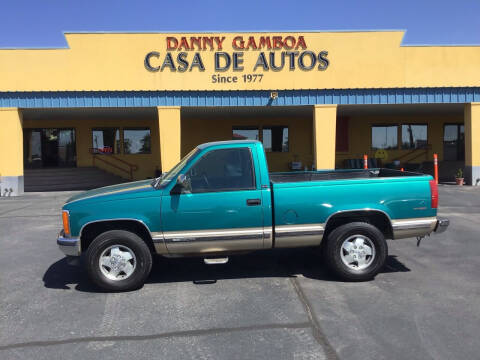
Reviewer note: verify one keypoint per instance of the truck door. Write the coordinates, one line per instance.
(220, 209)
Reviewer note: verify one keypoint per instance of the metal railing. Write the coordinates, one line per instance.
(105, 157)
(405, 158)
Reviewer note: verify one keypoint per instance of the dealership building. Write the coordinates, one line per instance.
(133, 104)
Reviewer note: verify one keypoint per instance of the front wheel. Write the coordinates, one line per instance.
(118, 260)
(356, 251)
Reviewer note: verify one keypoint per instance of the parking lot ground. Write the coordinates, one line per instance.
(265, 305)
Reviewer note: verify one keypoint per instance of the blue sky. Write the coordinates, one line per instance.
(40, 23)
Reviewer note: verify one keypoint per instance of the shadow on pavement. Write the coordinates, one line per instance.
(261, 264)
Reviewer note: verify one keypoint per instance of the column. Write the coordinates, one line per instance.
(324, 128)
(472, 144)
(11, 152)
(169, 127)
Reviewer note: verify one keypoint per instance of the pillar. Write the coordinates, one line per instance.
(472, 144)
(324, 128)
(11, 152)
(169, 127)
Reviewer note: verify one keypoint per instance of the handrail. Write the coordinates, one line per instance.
(417, 152)
(95, 156)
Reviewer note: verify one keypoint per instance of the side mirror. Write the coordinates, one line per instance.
(182, 180)
(182, 185)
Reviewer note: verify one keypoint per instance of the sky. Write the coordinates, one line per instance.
(41, 23)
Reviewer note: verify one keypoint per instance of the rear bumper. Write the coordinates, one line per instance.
(442, 225)
(70, 246)
(408, 228)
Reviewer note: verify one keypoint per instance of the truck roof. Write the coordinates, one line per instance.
(232, 142)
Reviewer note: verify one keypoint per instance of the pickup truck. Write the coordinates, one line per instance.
(220, 200)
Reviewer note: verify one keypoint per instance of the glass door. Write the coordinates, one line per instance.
(49, 148)
(66, 148)
(454, 142)
(32, 148)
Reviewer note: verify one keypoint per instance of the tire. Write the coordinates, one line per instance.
(117, 248)
(348, 258)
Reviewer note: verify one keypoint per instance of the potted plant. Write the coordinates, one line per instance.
(459, 177)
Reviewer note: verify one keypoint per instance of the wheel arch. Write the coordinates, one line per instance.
(377, 218)
(92, 229)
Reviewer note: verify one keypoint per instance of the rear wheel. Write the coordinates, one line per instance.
(118, 260)
(356, 251)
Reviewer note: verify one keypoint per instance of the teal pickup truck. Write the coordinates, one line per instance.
(221, 200)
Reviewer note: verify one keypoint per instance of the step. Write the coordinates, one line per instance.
(215, 261)
(60, 179)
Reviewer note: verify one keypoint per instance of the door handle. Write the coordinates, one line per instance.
(253, 202)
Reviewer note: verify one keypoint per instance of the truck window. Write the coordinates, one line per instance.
(223, 170)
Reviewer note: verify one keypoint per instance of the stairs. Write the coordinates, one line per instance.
(64, 179)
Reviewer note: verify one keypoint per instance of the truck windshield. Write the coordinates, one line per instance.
(167, 177)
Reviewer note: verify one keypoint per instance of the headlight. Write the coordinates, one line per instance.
(66, 222)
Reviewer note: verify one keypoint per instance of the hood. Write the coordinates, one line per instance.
(131, 188)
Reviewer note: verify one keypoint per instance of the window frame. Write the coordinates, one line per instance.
(384, 125)
(401, 136)
(270, 128)
(120, 139)
(136, 128)
(260, 128)
(254, 178)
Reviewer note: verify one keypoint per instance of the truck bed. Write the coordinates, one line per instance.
(302, 176)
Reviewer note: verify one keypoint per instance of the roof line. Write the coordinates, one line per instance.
(159, 32)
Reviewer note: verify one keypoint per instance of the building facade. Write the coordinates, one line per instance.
(133, 104)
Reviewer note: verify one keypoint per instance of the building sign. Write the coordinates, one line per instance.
(272, 54)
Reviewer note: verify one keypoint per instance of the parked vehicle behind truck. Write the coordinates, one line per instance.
(221, 200)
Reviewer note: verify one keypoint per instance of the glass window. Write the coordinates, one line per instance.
(385, 137)
(245, 133)
(106, 141)
(275, 138)
(222, 170)
(414, 136)
(136, 141)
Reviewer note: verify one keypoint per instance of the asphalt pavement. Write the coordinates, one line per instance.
(266, 305)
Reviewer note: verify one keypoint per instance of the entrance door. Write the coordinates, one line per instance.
(49, 148)
(454, 142)
(220, 211)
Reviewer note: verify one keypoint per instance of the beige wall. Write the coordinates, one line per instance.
(360, 135)
(11, 149)
(147, 163)
(197, 130)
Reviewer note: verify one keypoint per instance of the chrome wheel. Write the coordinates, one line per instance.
(117, 262)
(357, 252)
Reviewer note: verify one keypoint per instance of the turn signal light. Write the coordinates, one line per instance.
(434, 193)
(66, 222)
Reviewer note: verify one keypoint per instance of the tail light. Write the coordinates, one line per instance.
(66, 222)
(434, 193)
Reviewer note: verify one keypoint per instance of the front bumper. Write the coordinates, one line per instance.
(442, 225)
(70, 246)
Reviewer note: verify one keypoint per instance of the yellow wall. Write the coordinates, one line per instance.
(357, 60)
(200, 129)
(147, 163)
(11, 142)
(324, 129)
(472, 134)
(169, 126)
(360, 136)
